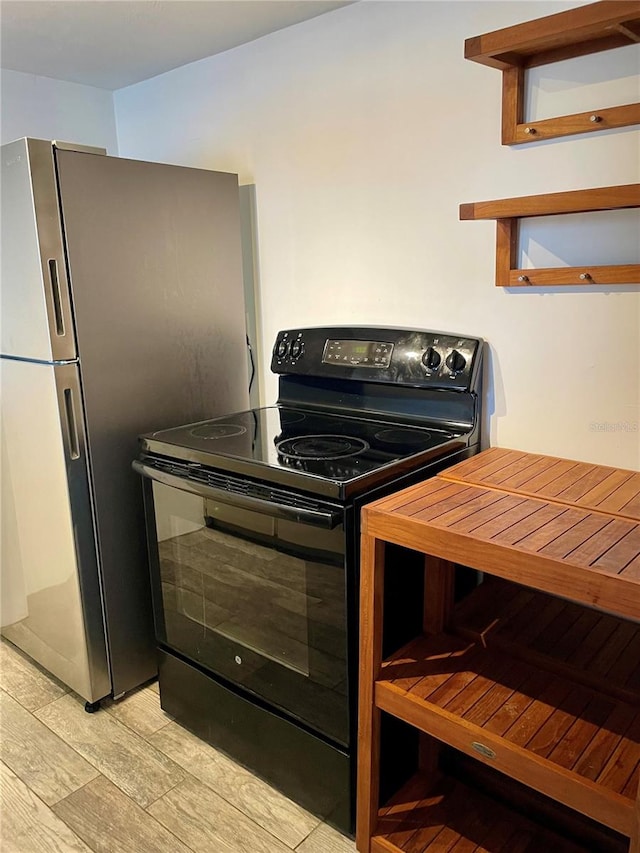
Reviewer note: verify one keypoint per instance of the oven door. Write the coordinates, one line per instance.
(254, 590)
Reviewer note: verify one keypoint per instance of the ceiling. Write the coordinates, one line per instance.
(115, 43)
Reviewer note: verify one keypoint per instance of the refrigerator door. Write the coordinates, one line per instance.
(155, 274)
(50, 600)
(36, 311)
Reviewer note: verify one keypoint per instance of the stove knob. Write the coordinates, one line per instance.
(431, 358)
(282, 349)
(296, 349)
(456, 361)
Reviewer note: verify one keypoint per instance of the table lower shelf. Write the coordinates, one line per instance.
(566, 740)
(450, 815)
(592, 648)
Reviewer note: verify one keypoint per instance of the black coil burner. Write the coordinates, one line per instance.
(321, 447)
(291, 417)
(407, 437)
(218, 431)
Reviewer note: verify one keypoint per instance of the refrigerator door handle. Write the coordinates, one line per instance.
(51, 247)
(96, 683)
(36, 291)
(71, 424)
(56, 297)
(71, 417)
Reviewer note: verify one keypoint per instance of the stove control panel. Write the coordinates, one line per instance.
(373, 354)
(413, 357)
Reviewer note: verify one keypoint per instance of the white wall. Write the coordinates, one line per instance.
(363, 130)
(54, 109)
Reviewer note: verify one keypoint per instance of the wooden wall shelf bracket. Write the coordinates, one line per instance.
(576, 32)
(507, 213)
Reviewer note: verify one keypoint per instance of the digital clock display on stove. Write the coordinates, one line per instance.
(357, 353)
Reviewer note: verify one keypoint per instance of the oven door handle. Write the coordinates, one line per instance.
(327, 519)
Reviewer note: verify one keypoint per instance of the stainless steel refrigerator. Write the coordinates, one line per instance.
(122, 313)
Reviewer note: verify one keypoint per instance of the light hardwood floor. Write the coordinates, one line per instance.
(129, 779)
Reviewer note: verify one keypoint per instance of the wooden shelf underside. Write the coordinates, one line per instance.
(451, 816)
(563, 739)
(595, 649)
(576, 32)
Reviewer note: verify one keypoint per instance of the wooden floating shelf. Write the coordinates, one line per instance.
(549, 204)
(576, 32)
(507, 212)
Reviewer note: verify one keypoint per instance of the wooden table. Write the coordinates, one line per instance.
(532, 682)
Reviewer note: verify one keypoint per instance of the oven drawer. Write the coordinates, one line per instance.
(301, 765)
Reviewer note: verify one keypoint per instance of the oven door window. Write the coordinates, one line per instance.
(257, 599)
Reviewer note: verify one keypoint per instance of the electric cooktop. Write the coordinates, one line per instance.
(324, 445)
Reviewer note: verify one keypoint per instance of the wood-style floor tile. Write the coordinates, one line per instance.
(38, 756)
(325, 839)
(267, 807)
(110, 822)
(28, 825)
(225, 810)
(139, 711)
(206, 822)
(21, 678)
(131, 763)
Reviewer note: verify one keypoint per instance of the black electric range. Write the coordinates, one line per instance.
(253, 531)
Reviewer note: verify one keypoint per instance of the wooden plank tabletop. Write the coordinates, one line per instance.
(563, 527)
(596, 487)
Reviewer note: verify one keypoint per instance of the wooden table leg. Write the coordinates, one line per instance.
(439, 577)
(371, 603)
(635, 831)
